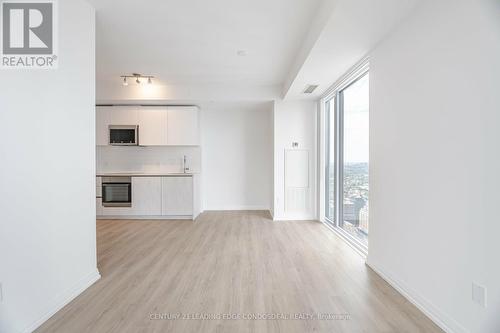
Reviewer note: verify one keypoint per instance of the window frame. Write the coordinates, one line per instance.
(335, 93)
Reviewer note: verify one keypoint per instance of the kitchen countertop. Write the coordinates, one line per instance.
(144, 174)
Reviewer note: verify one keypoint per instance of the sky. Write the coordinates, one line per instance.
(356, 121)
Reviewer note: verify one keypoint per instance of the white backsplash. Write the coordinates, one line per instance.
(162, 159)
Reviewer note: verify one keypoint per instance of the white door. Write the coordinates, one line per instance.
(297, 187)
(153, 126)
(146, 196)
(177, 196)
(182, 126)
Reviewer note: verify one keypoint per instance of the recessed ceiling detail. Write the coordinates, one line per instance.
(310, 88)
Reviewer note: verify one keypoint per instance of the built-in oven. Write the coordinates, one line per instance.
(116, 191)
(124, 135)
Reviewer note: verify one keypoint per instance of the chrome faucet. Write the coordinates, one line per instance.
(184, 167)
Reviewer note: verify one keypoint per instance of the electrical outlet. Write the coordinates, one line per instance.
(479, 294)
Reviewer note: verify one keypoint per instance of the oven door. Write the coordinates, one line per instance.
(116, 194)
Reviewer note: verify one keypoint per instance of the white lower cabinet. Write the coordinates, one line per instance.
(116, 211)
(170, 196)
(98, 206)
(98, 187)
(177, 196)
(146, 196)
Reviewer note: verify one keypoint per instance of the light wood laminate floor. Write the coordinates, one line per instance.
(238, 263)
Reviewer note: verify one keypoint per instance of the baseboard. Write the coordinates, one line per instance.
(195, 215)
(445, 322)
(295, 218)
(236, 208)
(144, 217)
(356, 247)
(64, 298)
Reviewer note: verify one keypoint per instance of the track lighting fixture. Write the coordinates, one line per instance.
(137, 78)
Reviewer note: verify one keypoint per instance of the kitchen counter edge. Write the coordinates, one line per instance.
(145, 174)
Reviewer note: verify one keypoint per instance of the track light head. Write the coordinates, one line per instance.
(137, 78)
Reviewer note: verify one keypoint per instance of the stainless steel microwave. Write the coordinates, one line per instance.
(120, 135)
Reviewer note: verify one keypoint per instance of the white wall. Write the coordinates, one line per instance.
(294, 121)
(47, 190)
(435, 134)
(113, 91)
(236, 145)
(148, 159)
(271, 158)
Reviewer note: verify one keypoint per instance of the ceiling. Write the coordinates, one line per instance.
(197, 41)
(352, 30)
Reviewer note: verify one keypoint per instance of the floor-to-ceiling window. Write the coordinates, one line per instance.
(347, 159)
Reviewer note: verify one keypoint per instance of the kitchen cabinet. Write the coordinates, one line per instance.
(98, 206)
(146, 196)
(107, 115)
(177, 196)
(124, 115)
(158, 125)
(98, 195)
(115, 211)
(183, 126)
(102, 120)
(156, 197)
(153, 126)
(98, 187)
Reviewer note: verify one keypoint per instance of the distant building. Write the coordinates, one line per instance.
(363, 218)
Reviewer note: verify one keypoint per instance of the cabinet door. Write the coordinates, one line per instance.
(113, 115)
(124, 115)
(146, 196)
(98, 187)
(182, 126)
(177, 196)
(98, 207)
(153, 126)
(102, 118)
(116, 211)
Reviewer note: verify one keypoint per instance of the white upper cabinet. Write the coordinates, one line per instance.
(158, 126)
(124, 115)
(102, 119)
(113, 115)
(153, 126)
(183, 126)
